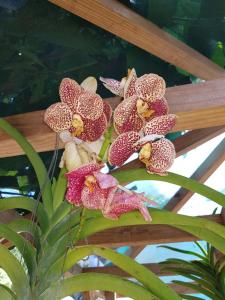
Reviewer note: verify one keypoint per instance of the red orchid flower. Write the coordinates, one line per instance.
(90, 188)
(143, 100)
(81, 111)
(157, 152)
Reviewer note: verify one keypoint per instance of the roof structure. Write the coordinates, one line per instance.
(197, 97)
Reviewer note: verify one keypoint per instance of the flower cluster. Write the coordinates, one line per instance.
(141, 121)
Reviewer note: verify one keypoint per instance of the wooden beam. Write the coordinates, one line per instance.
(116, 18)
(206, 169)
(185, 143)
(142, 235)
(197, 106)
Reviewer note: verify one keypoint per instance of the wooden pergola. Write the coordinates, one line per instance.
(200, 108)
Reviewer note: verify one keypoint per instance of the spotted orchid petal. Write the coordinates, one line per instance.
(93, 130)
(159, 107)
(58, 117)
(162, 157)
(90, 84)
(105, 181)
(114, 86)
(126, 117)
(150, 87)
(76, 179)
(89, 106)
(160, 125)
(107, 111)
(122, 148)
(124, 202)
(94, 199)
(69, 92)
(129, 87)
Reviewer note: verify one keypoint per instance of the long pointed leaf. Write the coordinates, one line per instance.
(60, 189)
(130, 175)
(16, 273)
(95, 281)
(37, 163)
(29, 204)
(183, 251)
(6, 293)
(26, 249)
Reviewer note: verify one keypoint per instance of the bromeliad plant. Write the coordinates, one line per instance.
(84, 200)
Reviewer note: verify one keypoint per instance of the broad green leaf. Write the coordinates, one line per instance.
(96, 281)
(130, 175)
(25, 225)
(137, 271)
(200, 227)
(37, 163)
(29, 204)
(62, 211)
(16, 273)
(27, 251)
(6, 293)
(60, 189)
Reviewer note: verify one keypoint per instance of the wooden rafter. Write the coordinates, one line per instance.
(197, 106)
(116, 18)
(206, 169)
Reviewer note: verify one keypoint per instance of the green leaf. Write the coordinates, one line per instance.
(37, 163)
(137, 271)
(26, 249)
(183, 251)
(200, 227)
(29, 204)
(6, 293)
(189, 297)
(16, 273)
(60, 189)
(96, 281)
(130, 175)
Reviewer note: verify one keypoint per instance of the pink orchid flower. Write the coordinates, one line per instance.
(155, 151)
(143, 100)
(90, 188)
(81, 111)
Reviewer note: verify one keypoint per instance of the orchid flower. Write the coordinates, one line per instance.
(80, 118)
(90, 188)
(143, 100)
(155, 151)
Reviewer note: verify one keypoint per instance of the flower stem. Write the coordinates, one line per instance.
(106, 143)
(82, 219)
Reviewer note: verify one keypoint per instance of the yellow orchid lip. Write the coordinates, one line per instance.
(78, 125)
(90, 182)
(143, 109)
(145, 153)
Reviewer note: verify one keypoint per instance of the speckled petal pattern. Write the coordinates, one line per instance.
(159, 106)
(107, 110)
(69, 92)
(160, 125)
(58, 117)
(133, 123)
(114, 86)
(124, 202)
(89, 106)
(162, 157)
(93, 130)
(129, 87)
(122, 148)
(150, 87)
